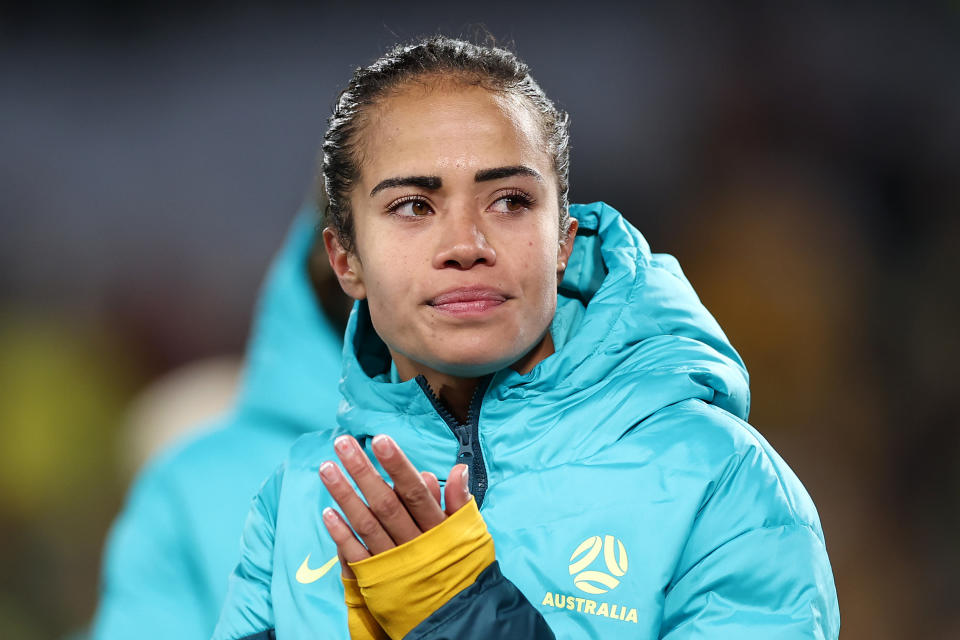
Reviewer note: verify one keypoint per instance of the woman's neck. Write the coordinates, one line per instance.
(456, 392)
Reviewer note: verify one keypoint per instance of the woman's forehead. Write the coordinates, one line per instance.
(450, 127)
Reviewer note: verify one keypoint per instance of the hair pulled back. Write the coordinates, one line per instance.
(493, 68)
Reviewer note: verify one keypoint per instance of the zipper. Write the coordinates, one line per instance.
(467, 434)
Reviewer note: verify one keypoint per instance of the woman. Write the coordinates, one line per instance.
(592, 406)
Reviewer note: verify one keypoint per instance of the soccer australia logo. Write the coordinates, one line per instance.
(592, 575)
(597, 564)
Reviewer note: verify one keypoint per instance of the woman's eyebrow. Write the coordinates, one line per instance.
(431, 183)
(505, 172)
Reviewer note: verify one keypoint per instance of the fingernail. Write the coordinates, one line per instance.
(328, 471)
(466, 480)
(383, 445)
(330, 516)
(342, 445)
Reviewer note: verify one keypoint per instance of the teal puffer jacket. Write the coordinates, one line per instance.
(626, 495)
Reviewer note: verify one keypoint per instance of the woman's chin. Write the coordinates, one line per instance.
(476, 360)
(473, 358)
(471, 368)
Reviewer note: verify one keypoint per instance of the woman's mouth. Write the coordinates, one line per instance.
(467, 301)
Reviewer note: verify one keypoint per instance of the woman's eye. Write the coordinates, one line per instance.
(411, 209)
(511, 204)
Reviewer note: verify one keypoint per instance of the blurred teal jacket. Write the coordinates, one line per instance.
(171, 550)
(626, 495)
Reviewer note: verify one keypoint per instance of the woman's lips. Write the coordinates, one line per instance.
(467, 301)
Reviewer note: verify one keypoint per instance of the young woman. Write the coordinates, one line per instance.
(604, 483)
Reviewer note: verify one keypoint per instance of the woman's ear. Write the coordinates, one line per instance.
(345, 265)
(566, 248)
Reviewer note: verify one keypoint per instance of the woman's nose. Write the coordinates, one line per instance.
(461, 244)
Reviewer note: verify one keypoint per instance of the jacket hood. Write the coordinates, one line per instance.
(293, 354)
(638, 340)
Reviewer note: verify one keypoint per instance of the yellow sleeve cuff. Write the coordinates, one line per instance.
(403, 586)
(361, 624)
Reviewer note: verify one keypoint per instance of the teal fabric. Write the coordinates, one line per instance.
(628, 497)
(172, 548)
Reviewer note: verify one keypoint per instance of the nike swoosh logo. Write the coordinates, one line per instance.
(306, 575)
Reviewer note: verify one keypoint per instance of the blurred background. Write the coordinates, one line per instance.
(802, 163)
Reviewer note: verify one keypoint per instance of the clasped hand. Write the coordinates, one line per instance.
(390, 516)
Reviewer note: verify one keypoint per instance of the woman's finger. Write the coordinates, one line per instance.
(432, 483)
(345, 569)
(356, 512)
(384, 503)
(408, 483)
(349, 548)
(457, 492)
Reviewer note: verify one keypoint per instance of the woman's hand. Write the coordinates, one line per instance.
(395, 514)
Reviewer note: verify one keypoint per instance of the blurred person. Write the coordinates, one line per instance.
(172, 548)
(605, 482)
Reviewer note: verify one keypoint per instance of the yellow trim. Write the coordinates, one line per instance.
(403, 586)
(361, 624)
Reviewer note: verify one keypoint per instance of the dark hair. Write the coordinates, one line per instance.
(493, 68)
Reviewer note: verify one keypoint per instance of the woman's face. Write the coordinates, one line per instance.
(456, 218)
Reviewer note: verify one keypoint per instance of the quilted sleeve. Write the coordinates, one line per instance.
(248, 609)
(755, 565)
